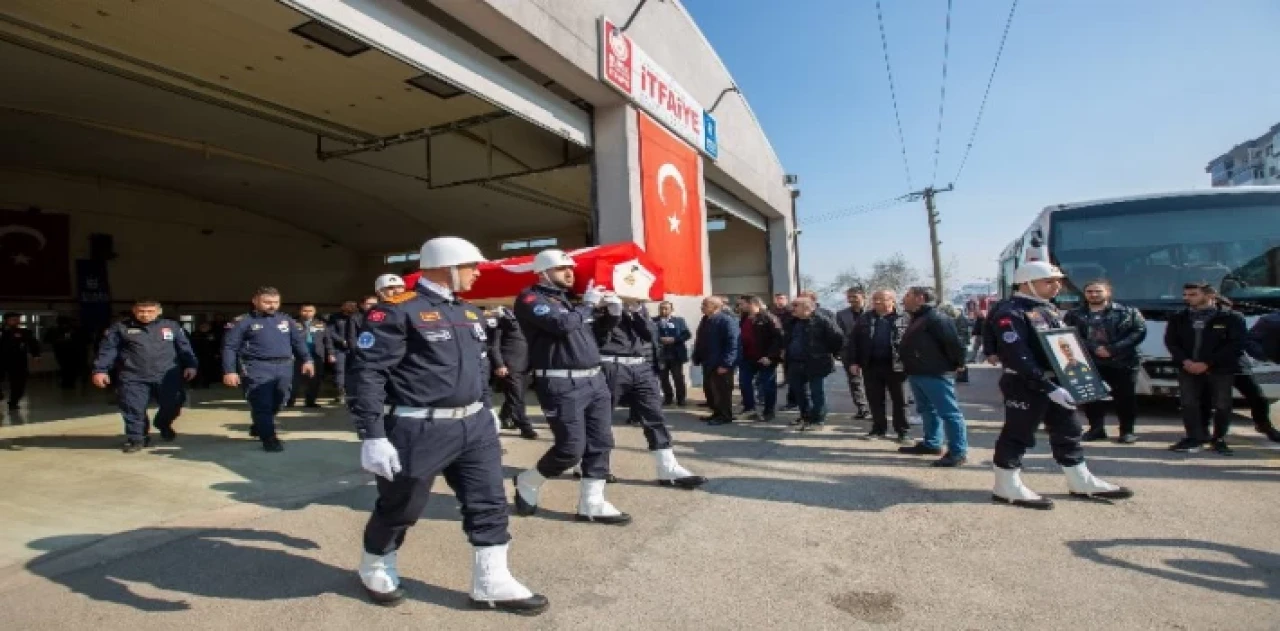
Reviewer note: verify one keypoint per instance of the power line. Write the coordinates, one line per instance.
(855, 210)
(893, 95)
(942, 100)
(982, 108)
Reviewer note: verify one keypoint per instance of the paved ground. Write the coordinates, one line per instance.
(796, 531)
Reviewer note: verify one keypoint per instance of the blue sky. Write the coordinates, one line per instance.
(1093, 98)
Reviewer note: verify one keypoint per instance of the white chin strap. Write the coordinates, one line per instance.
(454, 283)
(1031, 289)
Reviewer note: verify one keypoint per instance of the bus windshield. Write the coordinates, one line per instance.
(1149, 248)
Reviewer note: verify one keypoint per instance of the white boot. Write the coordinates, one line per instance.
(1010, 490)
(670, 473)
(1081, 482)
(493, 587)
(380, 578)
(528, 486)
(593, 507)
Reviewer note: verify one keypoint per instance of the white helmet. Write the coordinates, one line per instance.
(551, 259)
(1036, 270)
(442, 252)
(387, 280)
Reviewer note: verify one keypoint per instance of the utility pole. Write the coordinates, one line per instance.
(927, 194)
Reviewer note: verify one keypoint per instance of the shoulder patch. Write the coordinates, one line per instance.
(240, 317)
(376, 316)
(530, 298)
(402, 298)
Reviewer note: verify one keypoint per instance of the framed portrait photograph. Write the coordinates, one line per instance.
(1071, 362)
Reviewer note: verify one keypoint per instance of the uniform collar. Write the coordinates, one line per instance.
(1034, 299)
(436, 288)
(551, 290)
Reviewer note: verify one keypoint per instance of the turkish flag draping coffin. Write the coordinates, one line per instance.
(624, 268)
(35, 256)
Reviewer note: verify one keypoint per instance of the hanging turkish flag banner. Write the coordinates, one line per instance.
(671, 200)
(620, 267)
(35, 259)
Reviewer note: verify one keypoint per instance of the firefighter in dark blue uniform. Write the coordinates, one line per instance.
(574, 396)
(265, 344)
(421, 408)
(627, 337)
(1032, 395)
(155, 358)
(17, 343)
(315, 335)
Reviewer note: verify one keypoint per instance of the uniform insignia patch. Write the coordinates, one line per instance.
(283, 326)
(1010, 337)
(137, 331)
(377, 316)
(365, 341)
(471, 315)
(530, 298)
(405, 297)
(429, 316)
(541, 310)
(439, 336)
(256, 327)
(1005, 322)
(491, 322)
(167, 334)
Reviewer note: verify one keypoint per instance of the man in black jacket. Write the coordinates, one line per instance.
(509, 360)
(673, 336)
(847, 318)
(872, 352)
(761, 341)
(782, 311)
(716, 350)
(1111, 333)
(812, 343)
(1205, 341)
(932, 354)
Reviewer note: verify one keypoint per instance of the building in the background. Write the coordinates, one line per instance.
(1253, 162)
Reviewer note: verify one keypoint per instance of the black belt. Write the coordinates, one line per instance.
(271, 360)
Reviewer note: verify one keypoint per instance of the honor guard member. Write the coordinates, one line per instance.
(1032, 395)
(421, 408)
(509, 356)
(263, 344)
(388, 286)
(315, 335)
(626, 337)
(17, 343)
(155, 358)
(571, 389)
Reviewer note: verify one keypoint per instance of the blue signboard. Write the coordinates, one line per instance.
(711, 143)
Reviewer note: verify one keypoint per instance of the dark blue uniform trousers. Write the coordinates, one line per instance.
(1024, 410)
(641, 383)
(133, 397)
(467, 451)
(580, 413)
(308, 386)
(267, 385)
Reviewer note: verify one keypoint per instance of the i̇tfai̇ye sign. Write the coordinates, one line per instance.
(626, 67)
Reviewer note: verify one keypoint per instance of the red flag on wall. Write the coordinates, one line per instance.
(35, 258)
(671, 197)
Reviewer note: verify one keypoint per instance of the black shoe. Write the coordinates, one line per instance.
(609, 478)
(920, 449)
(253, 432)
(167, 433)
(904, 439)
(666, 402)
(862, 416)
(1186, 446)
(289, 404)
(720, 421)
(1127, 439)
(688, 482)
(1043, 503)
(508, 424)
(1094, 434)
(767, 417)
(272, 445)
(132, 445)
(798, 421)
(949, 460)
(633, 421)
(523, 508)
(813, 427)
(529, 434)
(387, 599)
(13, 406)
(312, 405)
(530, 606)
(1272, 434)
(877, 433)
(620, 519)
(1220, 447)
(682, 404)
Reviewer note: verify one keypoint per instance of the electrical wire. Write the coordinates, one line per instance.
(893, 95)
(942, 100)
(982, 108)
(853, 211)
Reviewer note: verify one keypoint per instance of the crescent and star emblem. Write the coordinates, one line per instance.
(23, 259)
(668, 170)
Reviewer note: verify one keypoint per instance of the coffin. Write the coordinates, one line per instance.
(624, 268)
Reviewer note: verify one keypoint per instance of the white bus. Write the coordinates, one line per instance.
(1149, 246)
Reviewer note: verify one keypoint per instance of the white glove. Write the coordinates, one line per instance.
(379, 457)
(635, 307)
(1063, 398)
(592, 295)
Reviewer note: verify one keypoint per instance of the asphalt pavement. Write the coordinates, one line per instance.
(823, 530)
